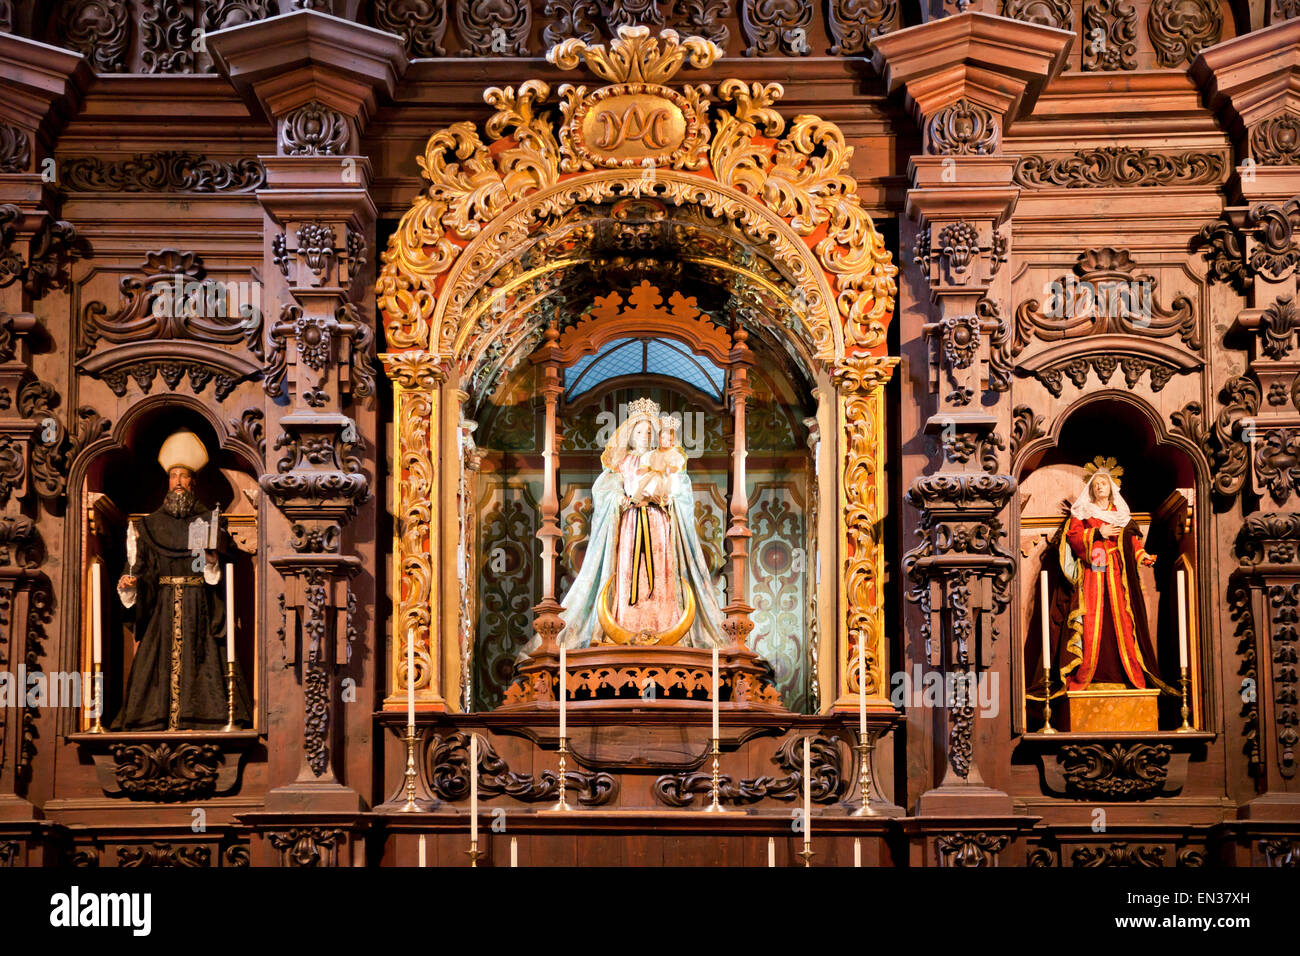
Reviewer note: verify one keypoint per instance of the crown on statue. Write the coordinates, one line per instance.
(643, 406)
(1103, 466)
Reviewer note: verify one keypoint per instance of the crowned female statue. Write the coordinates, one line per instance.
(644, 578)
(1106, 642)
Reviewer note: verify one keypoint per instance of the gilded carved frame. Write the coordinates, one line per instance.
(453, 251)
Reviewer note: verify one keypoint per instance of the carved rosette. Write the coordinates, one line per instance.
(853, 24)
(314, 130)
(962, 128)
(1180, 29)
(308, 846)
(964, 849)
(1276, 141)
(1110, 35)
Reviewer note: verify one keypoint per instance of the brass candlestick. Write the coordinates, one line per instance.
(714, 806)
(864, 777)
(807, 854)
(562, 804)
(1187, 726)
(473, 853)
(410, 771)
(97, 682)
(1047, 702)
(230, 696)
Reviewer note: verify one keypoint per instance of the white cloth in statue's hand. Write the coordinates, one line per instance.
(126, 592)
(212, 568)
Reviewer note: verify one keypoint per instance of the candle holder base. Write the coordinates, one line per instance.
(715, 787)
(474, 854)
(1187, 727)
(562, 805)
(806, 854)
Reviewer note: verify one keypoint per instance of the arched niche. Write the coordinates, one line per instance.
(507, 486)
(526, 218)
(117, 479)
(1164, 484)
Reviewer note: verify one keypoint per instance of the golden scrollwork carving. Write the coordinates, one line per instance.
(635, 56)
(416, 378)
(789, 189)
(860, 383)
(500, 227)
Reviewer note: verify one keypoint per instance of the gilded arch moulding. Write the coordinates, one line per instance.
(786, 189)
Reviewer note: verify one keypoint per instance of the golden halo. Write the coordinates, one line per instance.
(1107, 466)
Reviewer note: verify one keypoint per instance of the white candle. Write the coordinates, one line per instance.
(715, 693)
(857, 852)
(473, 788)
(807, 794)
(422, 851)
(771, 851)
(1182, 618)
(230, 613)
(563, 692)
(96, 615)
(1047, 638)
(410, 680)
(514, 851)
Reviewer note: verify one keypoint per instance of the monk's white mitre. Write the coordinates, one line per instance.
(183, 450)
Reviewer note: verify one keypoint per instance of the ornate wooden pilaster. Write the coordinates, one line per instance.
(860, 420)
(1253, 82)
(965, 77)
(40, 86)
(320, 347)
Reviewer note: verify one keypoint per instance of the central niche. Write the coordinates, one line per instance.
(599, 389)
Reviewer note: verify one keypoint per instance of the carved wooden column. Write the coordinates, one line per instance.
(738, 622)
(1253, 82)
(319, 80)
(965, 77)
(40, 86)
(546, 613)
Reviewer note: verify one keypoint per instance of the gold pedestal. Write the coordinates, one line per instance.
(1112, 711)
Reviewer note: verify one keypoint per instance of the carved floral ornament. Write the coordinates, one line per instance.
(789, 188)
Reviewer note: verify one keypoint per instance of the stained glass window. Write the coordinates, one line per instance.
(664, 357)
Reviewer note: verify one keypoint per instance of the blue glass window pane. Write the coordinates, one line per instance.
(639, 356)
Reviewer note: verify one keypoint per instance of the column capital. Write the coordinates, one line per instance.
(289, 62)
(1002, 65)
(1251, 77)
(42, 86)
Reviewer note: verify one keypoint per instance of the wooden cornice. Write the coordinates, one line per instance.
(1001, 64)
(1251, 77)
(287, 61)
(40, 85)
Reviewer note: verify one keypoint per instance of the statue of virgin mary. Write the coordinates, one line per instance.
(644, 578)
